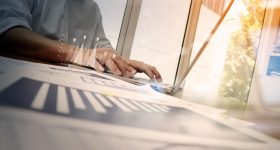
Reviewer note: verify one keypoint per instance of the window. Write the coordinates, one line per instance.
(159, 35)
(222, 76)
(266, 83)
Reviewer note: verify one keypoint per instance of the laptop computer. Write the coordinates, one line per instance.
(172, 89)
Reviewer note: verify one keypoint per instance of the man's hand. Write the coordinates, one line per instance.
(149, 70)
(108, 59)
(27, 43)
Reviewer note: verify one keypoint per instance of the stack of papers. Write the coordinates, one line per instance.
(52, 107)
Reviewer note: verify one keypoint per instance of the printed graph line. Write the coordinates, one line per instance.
(62, 101)
(40, 98)
(141, 106)
(53, 98)
(78, 102)
(65, 101)
(150, 107)
(110, 83)
(119, 104)
(94, 103)
(98, 102)
(104, 101)
(127, 103)
(160, 107)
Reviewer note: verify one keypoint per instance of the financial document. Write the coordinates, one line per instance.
(46, 107)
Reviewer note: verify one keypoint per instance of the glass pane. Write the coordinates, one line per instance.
(159, 35)
(210, 13)
(266, 83)
(222, 76)
(112, 15)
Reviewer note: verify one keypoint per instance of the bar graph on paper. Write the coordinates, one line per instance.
(113, 84)
(59, 99)
(67, 102)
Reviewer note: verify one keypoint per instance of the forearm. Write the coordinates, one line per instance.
(30, 44)
(24, 42)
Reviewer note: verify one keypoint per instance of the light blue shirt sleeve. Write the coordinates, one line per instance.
(14, 13)
(103, 40)
(59, 20)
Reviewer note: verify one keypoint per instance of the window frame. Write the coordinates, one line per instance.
(129, 25)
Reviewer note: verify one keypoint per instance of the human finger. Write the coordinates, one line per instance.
(104, 54)
(126, 70)
(149, 70)
(113, 67)
(156, 74)
(153, 74)
(98, 67)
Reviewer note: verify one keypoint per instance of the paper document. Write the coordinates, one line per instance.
(50, 107)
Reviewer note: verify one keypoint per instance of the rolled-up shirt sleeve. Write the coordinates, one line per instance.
(14, 13)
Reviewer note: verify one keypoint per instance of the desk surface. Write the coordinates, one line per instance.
(52, 107)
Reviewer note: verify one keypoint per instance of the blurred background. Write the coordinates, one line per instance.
(240, 65)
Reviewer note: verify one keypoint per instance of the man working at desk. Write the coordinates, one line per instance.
(64, 31)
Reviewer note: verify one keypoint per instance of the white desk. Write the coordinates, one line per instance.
(45, 107)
